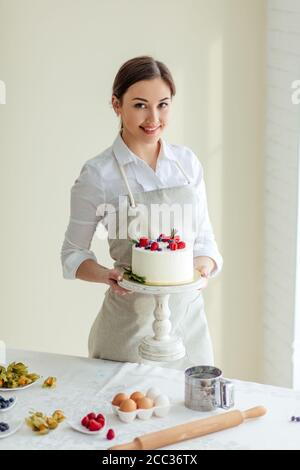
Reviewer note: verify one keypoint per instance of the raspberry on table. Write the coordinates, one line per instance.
(110, 434)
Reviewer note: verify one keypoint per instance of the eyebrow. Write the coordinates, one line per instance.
(143, 99)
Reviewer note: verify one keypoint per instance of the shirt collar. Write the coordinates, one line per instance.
(124, 155)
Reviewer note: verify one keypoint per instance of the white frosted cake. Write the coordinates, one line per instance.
(164, 261)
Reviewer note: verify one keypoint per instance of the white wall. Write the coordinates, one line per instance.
(281, 346)
(58, 60)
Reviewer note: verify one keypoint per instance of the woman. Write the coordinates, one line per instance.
(142, 165)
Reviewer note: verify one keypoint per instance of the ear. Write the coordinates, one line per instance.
(116, 105)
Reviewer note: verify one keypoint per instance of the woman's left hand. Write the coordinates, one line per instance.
(205, 265)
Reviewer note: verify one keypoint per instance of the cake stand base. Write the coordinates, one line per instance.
(168, 350)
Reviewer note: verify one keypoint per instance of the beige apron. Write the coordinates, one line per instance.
(124, 320)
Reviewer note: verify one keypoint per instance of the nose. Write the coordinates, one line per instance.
(153, 117)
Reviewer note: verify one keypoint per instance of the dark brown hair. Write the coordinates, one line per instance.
(137, 69)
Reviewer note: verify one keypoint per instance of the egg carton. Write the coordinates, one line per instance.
(129, 416)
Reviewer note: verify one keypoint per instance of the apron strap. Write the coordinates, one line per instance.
(123, 173)
(131, 198)
(183, 171)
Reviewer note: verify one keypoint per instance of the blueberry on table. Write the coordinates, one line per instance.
(6, 403)
(3, 427)
(295, 419)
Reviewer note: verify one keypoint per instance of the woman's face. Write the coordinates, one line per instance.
(146, 106)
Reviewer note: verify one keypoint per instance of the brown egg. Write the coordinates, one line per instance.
(145, 403)
(135, 396)
(119, 398)
(128, 405)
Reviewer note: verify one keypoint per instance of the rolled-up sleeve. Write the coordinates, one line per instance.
(205, 243)
(87, 195)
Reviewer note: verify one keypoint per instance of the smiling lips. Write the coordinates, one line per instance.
(150, 130)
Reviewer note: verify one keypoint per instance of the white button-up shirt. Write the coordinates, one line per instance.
(100, 182)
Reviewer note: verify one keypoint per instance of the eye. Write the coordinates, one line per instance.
(138, 105)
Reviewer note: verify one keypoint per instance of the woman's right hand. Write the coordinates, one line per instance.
(90, 270)
(112, 276)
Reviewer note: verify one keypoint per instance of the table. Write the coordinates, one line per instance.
(91, 383)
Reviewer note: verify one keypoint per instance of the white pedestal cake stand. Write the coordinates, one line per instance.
(162, 347)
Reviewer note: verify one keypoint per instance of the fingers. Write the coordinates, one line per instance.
(204, 271)
(114, 277)
(118, 289)
(115, 274)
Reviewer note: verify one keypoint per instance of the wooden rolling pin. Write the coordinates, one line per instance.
(182, 432)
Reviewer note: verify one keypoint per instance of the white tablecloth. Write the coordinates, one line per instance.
(88, 384)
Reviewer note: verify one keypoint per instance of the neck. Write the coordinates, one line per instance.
(147, 152)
